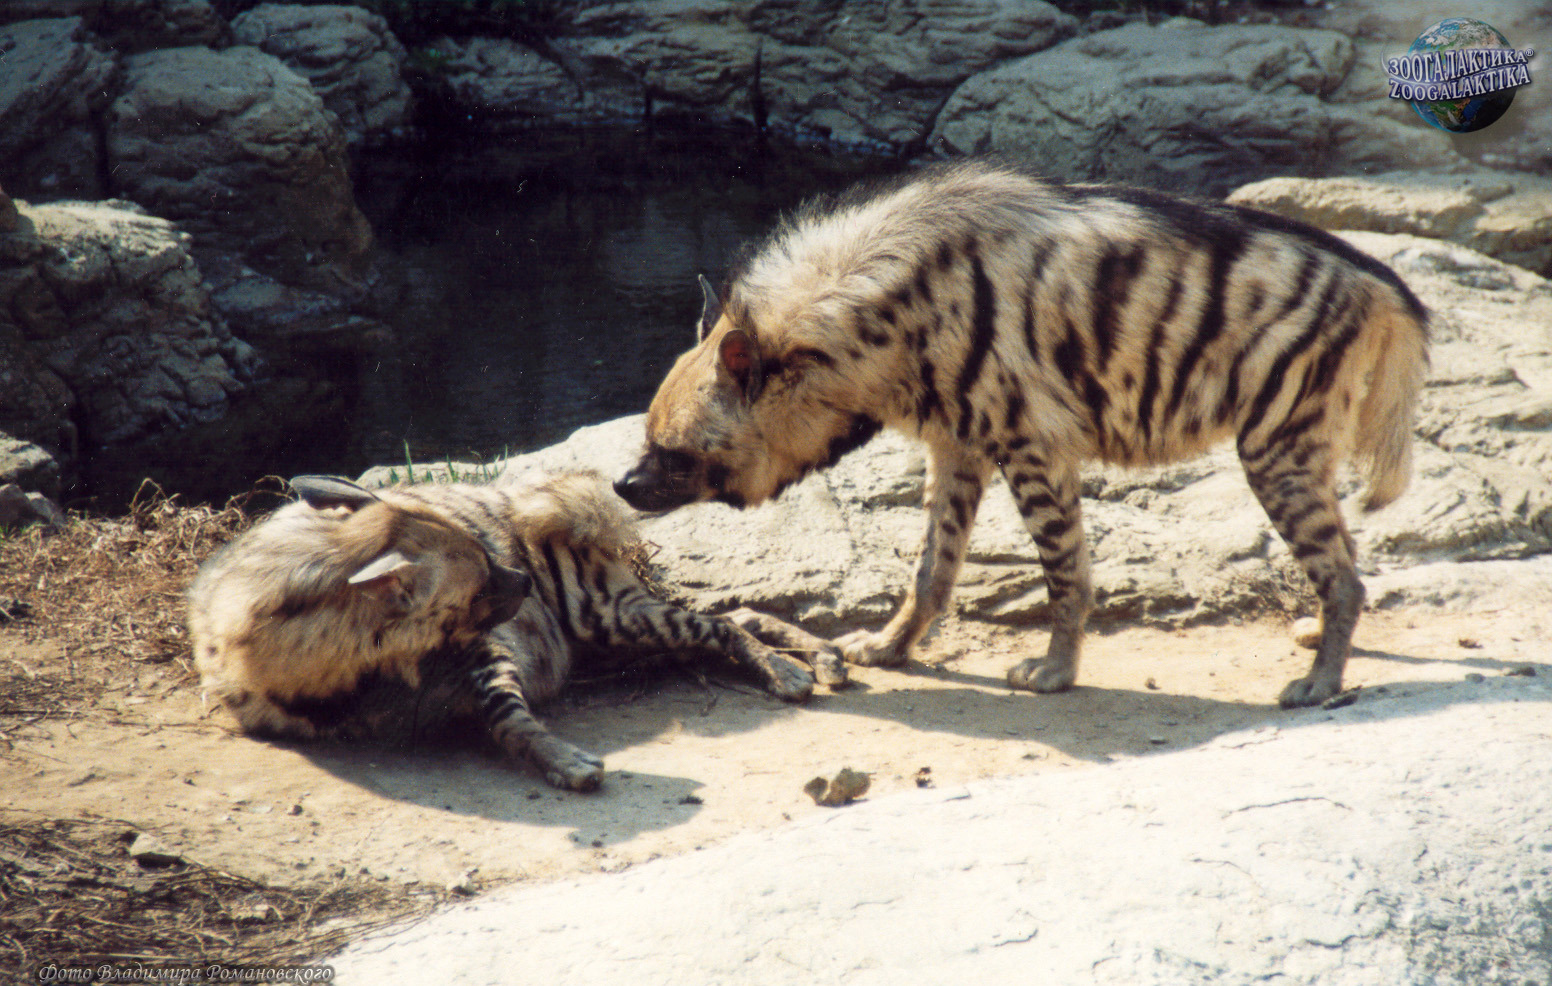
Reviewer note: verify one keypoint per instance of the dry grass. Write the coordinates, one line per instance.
(109, 590)
(70, 894)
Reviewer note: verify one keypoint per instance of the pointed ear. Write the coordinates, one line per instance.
(384, 578)
(322, 492)
(711, 309)
(741, 358)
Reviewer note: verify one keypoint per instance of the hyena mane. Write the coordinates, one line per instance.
(401, 614)
(1024, 325)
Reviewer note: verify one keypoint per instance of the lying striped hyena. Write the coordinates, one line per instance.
(1028, 326)
(393, 614)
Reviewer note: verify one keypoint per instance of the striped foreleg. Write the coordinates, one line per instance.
(498, 686)
(956, 479)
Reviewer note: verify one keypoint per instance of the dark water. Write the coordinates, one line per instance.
(541, 282)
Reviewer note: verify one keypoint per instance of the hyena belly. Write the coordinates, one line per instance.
(1018, 325)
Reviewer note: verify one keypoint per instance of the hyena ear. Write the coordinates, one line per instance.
(384, 578)
(741, 358)
(711, 308)
(322, 492)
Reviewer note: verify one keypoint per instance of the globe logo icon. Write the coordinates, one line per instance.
(1459, 75)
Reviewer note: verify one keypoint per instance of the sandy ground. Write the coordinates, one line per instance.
(691, 761)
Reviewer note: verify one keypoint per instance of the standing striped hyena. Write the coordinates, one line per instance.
(394, 614)
(1027, 326)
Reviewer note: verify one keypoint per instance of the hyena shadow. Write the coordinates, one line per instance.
(453, 766)
(1098, 723)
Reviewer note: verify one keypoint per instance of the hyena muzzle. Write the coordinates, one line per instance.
(1027, 326)
(399, 613)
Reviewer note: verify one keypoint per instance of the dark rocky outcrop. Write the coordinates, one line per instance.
(107, 334)
(348, 55)
(53, 82)
(240, 151)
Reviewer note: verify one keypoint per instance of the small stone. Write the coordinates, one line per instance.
(1151, 685)
(844, 788)
(148, 850)
(463, 884)
(1523, 671)
(1158, 740)
(691, 799)
(923, 777)
(1476, 676)
(1306, 632)
(1470, 643)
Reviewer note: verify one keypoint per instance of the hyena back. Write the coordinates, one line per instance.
(394, 613)
(1026, 326)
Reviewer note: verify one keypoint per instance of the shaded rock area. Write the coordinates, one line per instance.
(1507, 215)
(870, 76)
(1176, 545)
(240, 151)
(52, 84)
(107, 333)
(347, 54)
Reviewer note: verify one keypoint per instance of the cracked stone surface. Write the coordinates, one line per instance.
(1368, 845)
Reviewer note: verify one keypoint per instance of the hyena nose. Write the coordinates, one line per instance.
(632, 487)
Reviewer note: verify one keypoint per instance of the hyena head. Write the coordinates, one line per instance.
(424, 571)
(756, 405)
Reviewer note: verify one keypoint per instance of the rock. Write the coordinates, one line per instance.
(1505, 215)
(9, 218)
(879, 73)
(1175, 545)
(871, 75)
(845, 787)
(348, 54)
(149, 850)
(28, 466)
(1306, 632)
(107, 304)
(1182, 106)
(1367, 846)
(284, 321)
(239, 150)
(499, 77)
(131, 25)
(52, 84)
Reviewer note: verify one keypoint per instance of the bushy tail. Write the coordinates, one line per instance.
(1384, 440)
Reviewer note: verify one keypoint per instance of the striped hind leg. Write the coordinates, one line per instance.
(496, 673)
(1047, 498)
(1293, 480)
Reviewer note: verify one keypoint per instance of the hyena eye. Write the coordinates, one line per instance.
(675, 462)
(808, 356)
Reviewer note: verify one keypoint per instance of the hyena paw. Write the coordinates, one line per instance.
(868, 649)
(1042, 676)
(786, 678)
(830, 667)
(1312, 690)
(566, 766)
